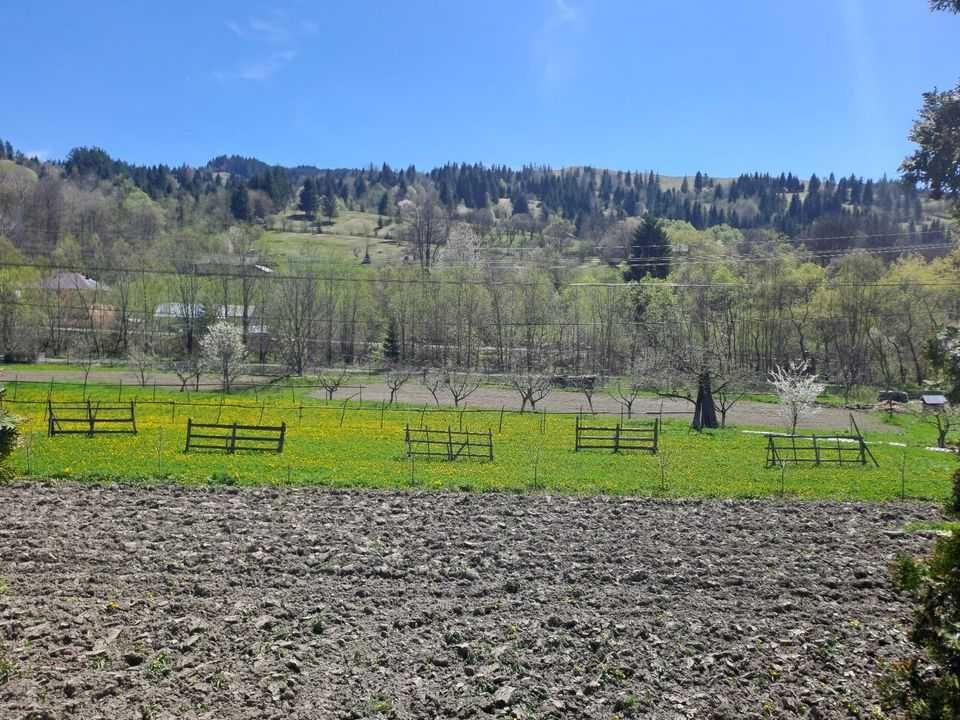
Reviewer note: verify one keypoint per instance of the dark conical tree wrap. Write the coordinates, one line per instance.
(705, 410)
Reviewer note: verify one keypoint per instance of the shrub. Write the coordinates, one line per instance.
(9, 434)
(953, 502)
(9, 439)
(930, 689)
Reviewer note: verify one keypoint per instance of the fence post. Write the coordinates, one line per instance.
(490, 443)
(500, 429)
(90, 418)
(120, 391)
(616, 438)
(233, 438)
(133, 416)
(189, 432)
(283, 437)
(406, 437)
(449, 443)
(576, 445)
(816, 450)
(656, 435)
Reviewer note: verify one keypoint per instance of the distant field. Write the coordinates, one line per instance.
(350, 234)
(353, 445)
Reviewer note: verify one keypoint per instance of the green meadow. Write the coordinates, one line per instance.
(350, 444)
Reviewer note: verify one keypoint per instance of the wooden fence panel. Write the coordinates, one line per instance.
(817, 450)
(91, 418)
(448, 444)
(233, 437)
(644, 437)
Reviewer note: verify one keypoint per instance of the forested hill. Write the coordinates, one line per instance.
(233, 188)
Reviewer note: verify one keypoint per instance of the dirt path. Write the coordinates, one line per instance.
(744, 413)
(163, 603)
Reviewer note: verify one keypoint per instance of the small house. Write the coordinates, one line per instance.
(933, 403)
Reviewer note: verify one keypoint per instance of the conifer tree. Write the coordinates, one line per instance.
(240, 202)
(391, 343)
(309, 200)
(330, 206)
(649, 250)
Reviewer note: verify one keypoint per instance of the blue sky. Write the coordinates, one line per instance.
(744, 85)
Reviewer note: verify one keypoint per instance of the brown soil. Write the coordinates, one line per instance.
(168, 602)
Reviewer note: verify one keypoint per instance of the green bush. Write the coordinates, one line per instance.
(953, 503)
(930, 689)
(9, 439)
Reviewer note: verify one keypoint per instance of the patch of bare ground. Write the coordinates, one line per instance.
(168, 602)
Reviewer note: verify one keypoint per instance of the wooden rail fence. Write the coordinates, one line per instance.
(233, 437)
(448, 444)
(643, 436)
(91, 418)
(817, 450)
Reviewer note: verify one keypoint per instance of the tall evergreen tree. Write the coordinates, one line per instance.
(383, 207)
(309, 199)
(520, 205)
(391, 343)
(330, 206)
(649, 250)
(240, 202)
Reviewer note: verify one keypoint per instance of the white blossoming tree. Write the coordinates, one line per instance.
(223, 352)
(798, 391)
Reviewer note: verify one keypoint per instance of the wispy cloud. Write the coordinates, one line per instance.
(861, 57)
(267, 67)
(554, 52)
(270, 43)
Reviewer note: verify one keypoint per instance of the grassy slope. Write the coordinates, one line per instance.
(361, 453)
(349, 235)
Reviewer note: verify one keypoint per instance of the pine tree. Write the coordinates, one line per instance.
(309, 199)
(383, 207)
(520, 206)
(684, 186)
(240, 202)
(330, 206)
(391, 343)
(649, 250)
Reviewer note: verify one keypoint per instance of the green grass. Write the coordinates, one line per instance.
(348, 236)
(360, 453)
(938, 526)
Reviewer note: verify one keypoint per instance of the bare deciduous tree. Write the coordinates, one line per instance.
(426, 228)
(396, 379)
(532, 388)
(625, 391)
(296, 320)
(588, 385)
(433, 381)
(943, 419)
(332, 380)
(461, 385)
(141, 360)
(187, 369)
